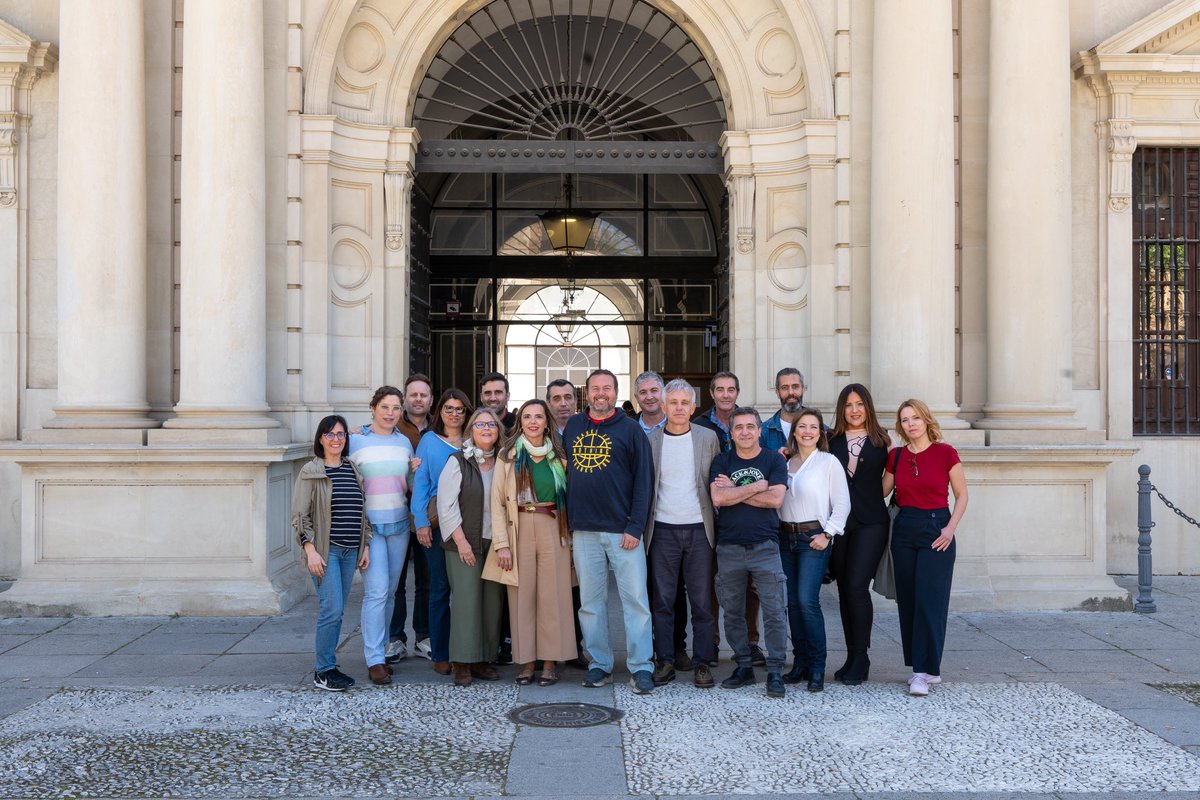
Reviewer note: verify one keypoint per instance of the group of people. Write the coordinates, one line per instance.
(520, 516)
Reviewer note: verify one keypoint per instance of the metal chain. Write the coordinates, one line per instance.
(1173, 507)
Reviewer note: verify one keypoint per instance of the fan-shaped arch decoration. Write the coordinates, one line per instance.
(574, 70)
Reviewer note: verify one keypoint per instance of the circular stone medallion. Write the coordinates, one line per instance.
(564, 715)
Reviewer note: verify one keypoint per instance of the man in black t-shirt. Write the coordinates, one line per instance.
(747, 486)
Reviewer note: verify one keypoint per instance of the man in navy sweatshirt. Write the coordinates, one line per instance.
(610, 479)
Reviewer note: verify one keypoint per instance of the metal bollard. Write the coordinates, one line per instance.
(1145, 602)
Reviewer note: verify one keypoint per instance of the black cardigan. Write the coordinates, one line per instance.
(867, 505)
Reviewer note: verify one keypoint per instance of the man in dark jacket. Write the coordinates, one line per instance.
(609, 488)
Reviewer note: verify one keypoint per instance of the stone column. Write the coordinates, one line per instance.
(913, 297)
(1029, 217)
(101, 217)
(222, 382)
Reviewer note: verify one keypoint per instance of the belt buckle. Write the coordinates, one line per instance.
(531, 509)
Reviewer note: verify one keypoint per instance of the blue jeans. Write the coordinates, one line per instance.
(332, 591)
(439, 599)
(594, 552)
(389, 546)
(805, 569)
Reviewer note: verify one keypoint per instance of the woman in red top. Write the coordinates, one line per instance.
(923, 538)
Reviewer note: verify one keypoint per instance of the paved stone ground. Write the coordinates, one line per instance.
(1066, 705)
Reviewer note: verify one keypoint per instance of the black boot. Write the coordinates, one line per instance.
(816, 682)
(775, 685)
(797, 674)
(857, 670)
(742, 676)
(840, 672)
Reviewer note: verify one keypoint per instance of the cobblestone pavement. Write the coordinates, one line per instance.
(1076, 705)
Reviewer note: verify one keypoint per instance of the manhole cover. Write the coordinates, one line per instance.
(564, 715)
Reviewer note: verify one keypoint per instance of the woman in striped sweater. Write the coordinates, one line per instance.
(384, 457)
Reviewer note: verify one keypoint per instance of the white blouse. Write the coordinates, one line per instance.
(817, 490)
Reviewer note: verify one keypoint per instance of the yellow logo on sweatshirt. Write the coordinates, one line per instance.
(592, 451)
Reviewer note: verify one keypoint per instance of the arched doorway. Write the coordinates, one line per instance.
(536, 107)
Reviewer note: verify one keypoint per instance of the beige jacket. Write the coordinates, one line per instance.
(311, 508)
(505, 518)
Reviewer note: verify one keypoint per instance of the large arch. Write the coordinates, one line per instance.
(782, 78)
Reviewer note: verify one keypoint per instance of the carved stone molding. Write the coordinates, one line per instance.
(741, 207)
(397, 199)
(22, 62)
(1121, 144)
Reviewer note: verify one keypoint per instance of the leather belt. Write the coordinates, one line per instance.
(800, 527)
(536, 509)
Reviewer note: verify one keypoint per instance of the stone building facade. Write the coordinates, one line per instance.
(222, 220)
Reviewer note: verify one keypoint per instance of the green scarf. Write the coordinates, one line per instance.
(524, 464)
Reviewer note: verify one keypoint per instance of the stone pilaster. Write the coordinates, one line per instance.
(912, 208)
(1029, 218)
(102, 221)
(22, 61)
(397, 204)
(222, 382)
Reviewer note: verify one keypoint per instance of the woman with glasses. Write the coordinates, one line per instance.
(463, 499)
(861, 444)
(384, 458)
(813, 513)
(333, 531)
(532, 545)
(443, 439)
(923, 538)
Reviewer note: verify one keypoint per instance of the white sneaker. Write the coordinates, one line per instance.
(918, 684)
(396, 650)
(423, 650)
(933, 680)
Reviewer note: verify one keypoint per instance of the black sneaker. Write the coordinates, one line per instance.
(597, 677)
(757, 659)
(642, 682)
(332, 680)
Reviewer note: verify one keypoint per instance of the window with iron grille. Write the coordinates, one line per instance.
(1166, 296)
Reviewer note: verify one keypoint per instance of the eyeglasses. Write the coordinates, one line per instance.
(457, 411)
(336, 436)
(485, 426)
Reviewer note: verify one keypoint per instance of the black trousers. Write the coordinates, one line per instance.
(682, 551)
(923, 577)
(853, 563)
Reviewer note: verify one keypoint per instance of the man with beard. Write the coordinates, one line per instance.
(610, 483)
(789, 385)
(493, 394)
(418, 397)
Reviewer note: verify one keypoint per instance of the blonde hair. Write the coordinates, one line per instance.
(933, 430)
